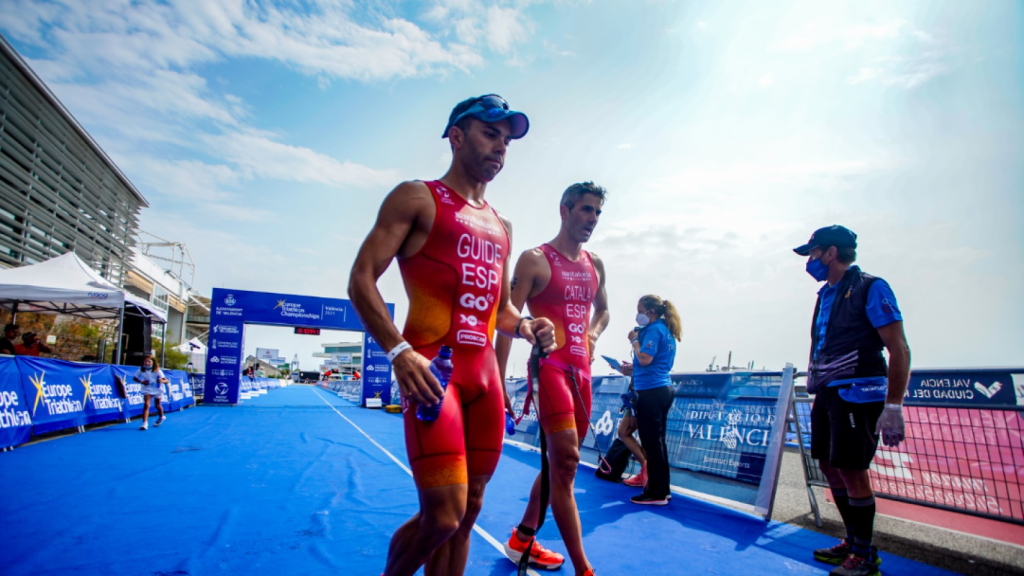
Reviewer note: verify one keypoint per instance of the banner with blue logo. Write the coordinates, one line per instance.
(722, 424)
(102, 402)
(230, 310)
(58, 391)
(376, 373)
(15, 410)
(180, 391)
(965, 388)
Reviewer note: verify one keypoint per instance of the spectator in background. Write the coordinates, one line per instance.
(858, 397)
(7, 341)
(654, 352)
(355, 375)
(152, 380)
(31, 346)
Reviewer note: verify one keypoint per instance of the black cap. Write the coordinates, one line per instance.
(835, 235)
(11, 327)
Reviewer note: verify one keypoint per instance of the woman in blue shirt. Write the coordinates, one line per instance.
(654, 352)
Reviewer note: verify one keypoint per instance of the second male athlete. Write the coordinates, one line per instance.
(565, 284)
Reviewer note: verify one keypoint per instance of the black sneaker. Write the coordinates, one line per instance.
(649, 500)
(856, 566)
(840, 552)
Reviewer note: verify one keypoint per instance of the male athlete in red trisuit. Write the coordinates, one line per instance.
(452, 250)
(562, 282)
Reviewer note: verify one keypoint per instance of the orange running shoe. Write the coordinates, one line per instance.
(540, 557)
(638, 481)
(589, 572)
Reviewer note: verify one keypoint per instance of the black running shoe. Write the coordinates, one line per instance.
(840, 552)
(648, 500)
(856, 566)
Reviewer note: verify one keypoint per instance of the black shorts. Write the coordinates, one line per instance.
(843, 433)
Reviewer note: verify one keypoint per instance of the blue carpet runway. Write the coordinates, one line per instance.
(288, 484)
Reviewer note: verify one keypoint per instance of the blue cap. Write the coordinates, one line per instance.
(489, 108)
(835, 235)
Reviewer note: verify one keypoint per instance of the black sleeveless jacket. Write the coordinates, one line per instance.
(853, 348)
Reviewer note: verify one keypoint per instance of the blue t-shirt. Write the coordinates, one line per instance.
(881, 308)
(657, 342)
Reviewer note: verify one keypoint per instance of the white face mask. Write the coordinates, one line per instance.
(642, 319)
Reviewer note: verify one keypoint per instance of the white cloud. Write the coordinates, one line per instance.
(766, 80)
(506, 27)
(257, 155)
(918, 57)
(863, 75)
(625, 146)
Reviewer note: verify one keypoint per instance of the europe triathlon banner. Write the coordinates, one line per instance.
(15, 410)
(178, 386)
(133, 403)
(102, 402)
(59, 391)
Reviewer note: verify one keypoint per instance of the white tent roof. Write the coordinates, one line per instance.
(66, 285)
(186, 348)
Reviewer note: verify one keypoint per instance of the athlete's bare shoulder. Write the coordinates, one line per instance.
(504, 221)
(407, 213)
(533, 255)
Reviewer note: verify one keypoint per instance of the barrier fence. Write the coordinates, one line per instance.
(964, 449)
(722, 425)
(41, 395)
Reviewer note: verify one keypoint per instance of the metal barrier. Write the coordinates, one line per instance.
(964, 447)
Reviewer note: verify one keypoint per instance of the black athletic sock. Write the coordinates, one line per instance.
(526, 531)
(862, 515)
(842, 499)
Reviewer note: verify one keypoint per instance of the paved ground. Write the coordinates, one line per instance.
(936, 546)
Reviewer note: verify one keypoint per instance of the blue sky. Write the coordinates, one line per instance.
(266, 135)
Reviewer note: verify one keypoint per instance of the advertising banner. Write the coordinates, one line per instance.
(181, 390)
(964, 440)
(15, 409)
(102, 402)
(223, 363)
(230, 310)
(723, 421)
(58, 391)
(376, 375)
(267, 353)
(965, 388)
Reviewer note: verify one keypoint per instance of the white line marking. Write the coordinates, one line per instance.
(476, 527)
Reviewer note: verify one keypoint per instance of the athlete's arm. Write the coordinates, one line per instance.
(600, 316)
(522, 287)
(533, 331)
(407, 206)
(895, 341)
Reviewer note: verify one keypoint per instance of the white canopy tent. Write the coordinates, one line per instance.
(66, 285)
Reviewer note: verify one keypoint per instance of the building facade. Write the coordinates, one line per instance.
(59, 191)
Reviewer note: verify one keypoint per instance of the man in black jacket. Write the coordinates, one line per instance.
(858, 397)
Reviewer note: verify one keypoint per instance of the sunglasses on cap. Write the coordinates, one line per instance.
(492, 108)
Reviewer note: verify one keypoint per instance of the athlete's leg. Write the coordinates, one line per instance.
(145, 408)
(159, 406)
(441, 511)
(627, 426)
(437, 456)
(452, 555)
(564, 459)
(562, 419)
(483, 407)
